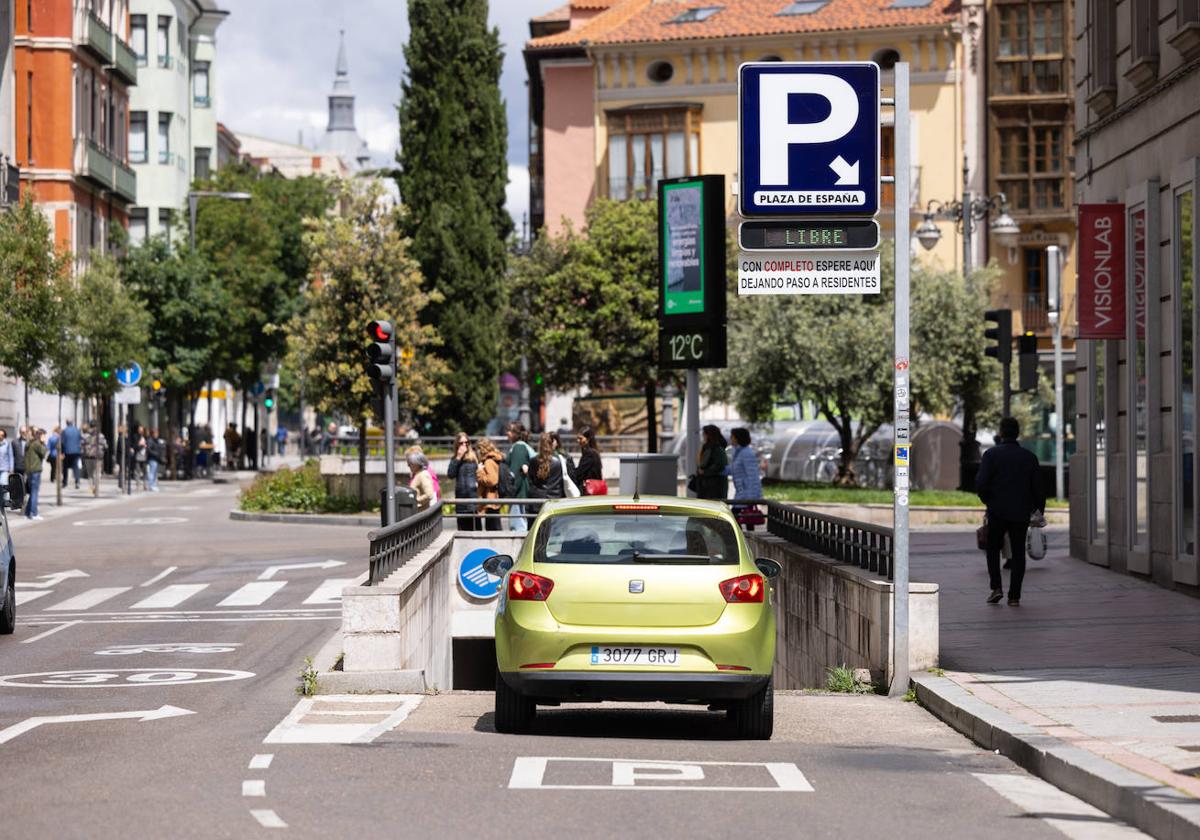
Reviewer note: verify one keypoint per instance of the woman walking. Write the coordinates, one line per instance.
(423, 481)
(747, 480)
(35, 455)
(545, 473)
(463, 468)
(589, 474)
(710, 466)
(487, 479)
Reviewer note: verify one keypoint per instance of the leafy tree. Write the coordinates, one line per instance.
(452, 179)
(361, 270)
(34, 284)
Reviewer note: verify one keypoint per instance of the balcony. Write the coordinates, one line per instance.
(165, 157)
(202, 101)
(97, 37)
(10, 183)
(124, 182)
(1033, 310)
(93, 163)
(126, 61)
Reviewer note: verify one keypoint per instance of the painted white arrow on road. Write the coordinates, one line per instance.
(52, 580)
(847, 172)
(328, 564)
(24, 726)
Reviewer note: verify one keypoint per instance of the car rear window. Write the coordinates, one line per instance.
(636, 538)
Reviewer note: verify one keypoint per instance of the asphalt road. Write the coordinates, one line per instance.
(192, 630)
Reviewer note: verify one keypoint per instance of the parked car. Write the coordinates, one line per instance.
(621, 598)
(8, 560)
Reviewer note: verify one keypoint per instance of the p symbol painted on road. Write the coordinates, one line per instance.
(626, 773)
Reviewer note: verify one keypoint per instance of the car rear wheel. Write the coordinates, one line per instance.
(514, 711)
(754, 717)
(8, 611)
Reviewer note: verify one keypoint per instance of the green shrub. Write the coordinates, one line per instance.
(843, 680)
(300, 490)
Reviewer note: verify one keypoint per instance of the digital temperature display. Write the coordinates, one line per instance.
(681, 349)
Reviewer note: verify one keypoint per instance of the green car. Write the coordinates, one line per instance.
(619, 598)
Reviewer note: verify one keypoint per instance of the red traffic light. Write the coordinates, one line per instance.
(380, 330)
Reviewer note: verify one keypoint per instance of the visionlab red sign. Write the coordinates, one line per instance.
(1101, 281)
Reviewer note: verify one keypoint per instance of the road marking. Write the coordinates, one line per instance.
(271, 571)
(267, 818)
(169, 647)
(261, 761)
(89, 599)
(129, 521)
(46, 581)
(160, 576)
(253, 594)
(157, 508)
(329, 592)
(24, 726)
(49, 632)
(24, 596)
(1073, 817)
(529, 773)
(211, 491)
(293, 730)
(138, 678)
(169, 596)
(254, 787)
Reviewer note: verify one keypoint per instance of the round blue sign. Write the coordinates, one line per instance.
(129, 375)
(474, 579)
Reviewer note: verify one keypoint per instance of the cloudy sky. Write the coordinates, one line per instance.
(276, 60)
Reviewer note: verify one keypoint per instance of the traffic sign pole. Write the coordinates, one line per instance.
(902, 373)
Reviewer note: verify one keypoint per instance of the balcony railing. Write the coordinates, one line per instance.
(124, 181)
(203, 101)
(165, 157)
(125, 61)
(166, 62)
(97, 37)
(10, 182)
(1033, 310)
(93, 162)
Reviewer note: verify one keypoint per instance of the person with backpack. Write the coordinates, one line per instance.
(520, 453)
(488, 477)
(423, 481)
(463, 468)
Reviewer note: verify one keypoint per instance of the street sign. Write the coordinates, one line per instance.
(129, 375)
(475, 580)
(809, 234)
(258, 389)
(808, 273)
(131, 395)
(808, 138)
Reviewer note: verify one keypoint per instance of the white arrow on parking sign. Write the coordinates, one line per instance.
(24, 726)
(847, 172)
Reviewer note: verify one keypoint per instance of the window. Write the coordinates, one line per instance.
(137, 37)
(137, 137)
(165, 217)
(609, 539)
(648, 144)
(696, 15)
(887, 164)
(1098, 370)
(804, 7)
(1035, 292)
(1102, 54)
(164, 138)
(1030, 48)
(164, 41)
(909, 4)
(1143, 43)
(1031, 145)
(1185, 265)
(203, 157)
(29, 118)
(660, 72)
(137, 225)
(200, 85)
(1139, 427)
(886, 58)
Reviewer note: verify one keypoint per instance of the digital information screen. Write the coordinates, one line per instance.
(815, 234)
(681, 348)
(691, 277)
(683, 248)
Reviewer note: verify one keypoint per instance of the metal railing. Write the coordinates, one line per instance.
(347, 445)
(395, 545)
(865, 545)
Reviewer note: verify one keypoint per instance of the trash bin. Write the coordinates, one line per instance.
(650, 474)
(406, 503)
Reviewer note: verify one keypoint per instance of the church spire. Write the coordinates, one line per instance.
(341, 74)
(341, 137)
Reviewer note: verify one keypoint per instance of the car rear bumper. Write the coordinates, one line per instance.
(622, 685)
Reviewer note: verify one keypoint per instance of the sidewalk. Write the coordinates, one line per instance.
(75, 501)
(1093, 682)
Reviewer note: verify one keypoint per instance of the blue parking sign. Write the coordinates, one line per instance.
(475, 580)
(809, 138)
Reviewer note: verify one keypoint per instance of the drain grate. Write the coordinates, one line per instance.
(1177, 718)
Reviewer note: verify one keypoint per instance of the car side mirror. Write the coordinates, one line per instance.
(768, 567)
(497, 564)
(16, 491)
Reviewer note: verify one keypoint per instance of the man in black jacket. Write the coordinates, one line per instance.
(1010, 485)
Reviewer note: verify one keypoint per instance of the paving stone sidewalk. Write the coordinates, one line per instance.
(1092, 660)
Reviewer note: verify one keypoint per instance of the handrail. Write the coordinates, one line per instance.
(863, 544)
(393, 546)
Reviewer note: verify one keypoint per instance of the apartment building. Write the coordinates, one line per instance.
(172, 123)
(10, 174)
(73, 69)
(1137, 150)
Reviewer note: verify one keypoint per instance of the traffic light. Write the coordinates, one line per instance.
(106, 374)
(381, 352)
(1001, 351)
(1027, 365)
(269, 400)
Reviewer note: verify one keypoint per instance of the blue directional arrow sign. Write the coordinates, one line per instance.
(809, 138)
(129, 375)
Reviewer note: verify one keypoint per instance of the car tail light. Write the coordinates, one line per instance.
(732, 667)
(634, 507)
(523, 586)
(547, 665)
(747, 589)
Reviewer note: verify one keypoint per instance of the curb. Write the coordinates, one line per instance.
(371, 682)
(306, 518)
(1145, 803)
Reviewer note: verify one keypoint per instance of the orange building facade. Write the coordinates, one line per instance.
(73, 68)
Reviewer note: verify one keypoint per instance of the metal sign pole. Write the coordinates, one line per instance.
(902, 373)
(692, 449)
(389, 439)
(1055, 268)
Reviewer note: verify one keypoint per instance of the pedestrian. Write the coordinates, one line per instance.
(233, 442)
(545, 473)
(570, 487)
(589, 474)
(422, 480)
(464, 469)
(281, 436)
(156, 453)
(519, 455)
(53, 445)
(250, 447)
(35, 457)
(1009, 484)
(6, 458)
(487, 481)
(18, 445)
(747, 480)
(72, 450)
(94, 448)
(141, 456)
(709, 481)
(263, 444)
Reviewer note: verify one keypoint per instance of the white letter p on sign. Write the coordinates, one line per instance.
(776, 133)
(626, 773)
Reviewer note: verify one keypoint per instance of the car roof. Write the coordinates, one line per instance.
(594, 503)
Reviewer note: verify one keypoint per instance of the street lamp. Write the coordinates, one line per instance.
(194, 199)
(966, 213)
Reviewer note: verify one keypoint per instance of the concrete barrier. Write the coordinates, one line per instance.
(833, 614)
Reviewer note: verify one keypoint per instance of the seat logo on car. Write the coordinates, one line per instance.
(637, 586)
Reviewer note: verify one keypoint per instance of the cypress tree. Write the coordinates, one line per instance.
(452, 177)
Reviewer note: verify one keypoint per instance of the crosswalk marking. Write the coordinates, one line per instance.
(169, 596)
(24, 596)
(89, 599)
(329, 592)
(253, 594)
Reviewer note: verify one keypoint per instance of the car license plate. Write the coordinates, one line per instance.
(634, 655)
